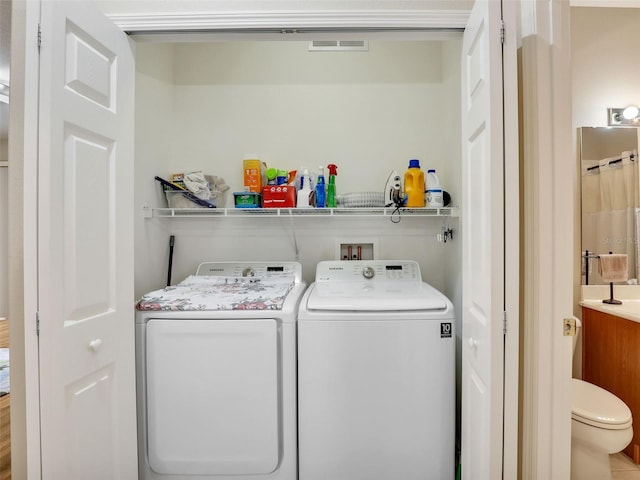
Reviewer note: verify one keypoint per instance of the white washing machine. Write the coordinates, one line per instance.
(376, 375)
(216, 374)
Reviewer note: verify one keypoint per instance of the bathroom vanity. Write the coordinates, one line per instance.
(611, 356)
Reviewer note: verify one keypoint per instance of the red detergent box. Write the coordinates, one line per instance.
(278, 196)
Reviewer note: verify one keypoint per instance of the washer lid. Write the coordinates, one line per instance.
(375, 296)
(598, 407)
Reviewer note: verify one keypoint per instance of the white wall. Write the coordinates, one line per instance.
(4, 199)
(4, 242)
(4, 131)
(154, 113)
(605, 62)
(367, 112)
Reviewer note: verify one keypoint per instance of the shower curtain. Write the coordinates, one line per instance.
(610, 210)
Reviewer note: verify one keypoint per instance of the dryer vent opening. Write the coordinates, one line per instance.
(339, 46)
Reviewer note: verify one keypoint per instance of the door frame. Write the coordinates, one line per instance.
(23, 209)
(174, 26)
(23, 246)
(547, 254)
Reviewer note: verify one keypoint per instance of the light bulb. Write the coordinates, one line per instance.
(630, 112)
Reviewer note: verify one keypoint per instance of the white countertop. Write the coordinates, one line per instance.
(629, 295)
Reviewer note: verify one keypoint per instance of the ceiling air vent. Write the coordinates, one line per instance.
(339, 46)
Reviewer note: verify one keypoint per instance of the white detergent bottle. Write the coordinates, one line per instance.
(434, 190)
(305, 192)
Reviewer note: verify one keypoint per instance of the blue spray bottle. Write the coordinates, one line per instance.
(320, 189)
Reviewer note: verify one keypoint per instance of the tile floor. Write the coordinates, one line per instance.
(623, 468)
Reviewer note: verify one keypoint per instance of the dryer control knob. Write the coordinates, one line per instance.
(368, 272)
(248, 272)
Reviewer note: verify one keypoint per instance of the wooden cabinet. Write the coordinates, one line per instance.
(611, 359)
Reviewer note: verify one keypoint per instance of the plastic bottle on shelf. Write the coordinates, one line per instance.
(320, 189)
(282, 177)
(272, 173)
(331, 186)
(435, 198)
(305, 191)
(414, 185)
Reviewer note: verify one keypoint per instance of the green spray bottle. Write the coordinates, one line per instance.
(331, 187)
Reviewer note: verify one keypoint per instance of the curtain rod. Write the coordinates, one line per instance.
(632, 157)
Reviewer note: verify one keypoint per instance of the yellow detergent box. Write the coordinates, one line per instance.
(252, 173)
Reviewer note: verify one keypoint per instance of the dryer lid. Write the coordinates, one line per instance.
(598, 407)
(215, 292)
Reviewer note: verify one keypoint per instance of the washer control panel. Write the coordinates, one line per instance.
(368, 270)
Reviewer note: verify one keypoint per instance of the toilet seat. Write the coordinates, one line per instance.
(597, 407)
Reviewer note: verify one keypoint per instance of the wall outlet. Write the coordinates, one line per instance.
(358, 249)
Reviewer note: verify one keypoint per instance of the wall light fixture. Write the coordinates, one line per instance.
(629, 116)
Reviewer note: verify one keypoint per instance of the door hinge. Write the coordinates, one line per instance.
(504, 323)
(502, 31)
(38, 324)
(39, 36)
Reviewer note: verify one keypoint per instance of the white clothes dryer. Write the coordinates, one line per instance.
(376, 374)
(216, 374)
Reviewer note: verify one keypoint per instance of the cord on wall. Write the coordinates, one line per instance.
(295, 239)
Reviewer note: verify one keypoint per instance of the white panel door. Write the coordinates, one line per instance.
(483, 244)
(85, 246)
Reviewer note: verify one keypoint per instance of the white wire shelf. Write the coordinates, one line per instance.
(298, 212)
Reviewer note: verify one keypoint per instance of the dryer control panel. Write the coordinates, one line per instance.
(251, 269)
(368, 270)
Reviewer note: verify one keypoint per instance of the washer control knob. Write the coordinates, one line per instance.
(368, 272)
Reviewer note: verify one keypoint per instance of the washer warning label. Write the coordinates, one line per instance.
(445, 330)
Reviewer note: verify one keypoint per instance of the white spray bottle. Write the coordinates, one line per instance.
(305, 192)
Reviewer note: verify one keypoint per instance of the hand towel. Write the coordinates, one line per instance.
(590, 258)
(613, 267)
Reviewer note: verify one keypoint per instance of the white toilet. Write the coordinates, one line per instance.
(601, 424)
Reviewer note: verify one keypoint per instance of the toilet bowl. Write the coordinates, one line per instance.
(601, 424)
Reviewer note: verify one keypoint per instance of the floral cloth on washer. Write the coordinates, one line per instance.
(204, 292)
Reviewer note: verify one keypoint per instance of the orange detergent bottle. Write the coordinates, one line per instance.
(414, 185)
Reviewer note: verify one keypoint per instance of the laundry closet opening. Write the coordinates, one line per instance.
(205, 105)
